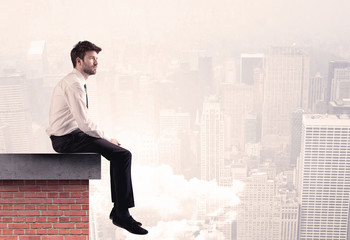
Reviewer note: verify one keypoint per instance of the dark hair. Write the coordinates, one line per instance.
(80, 49)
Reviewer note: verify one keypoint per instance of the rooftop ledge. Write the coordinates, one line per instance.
(50, 166)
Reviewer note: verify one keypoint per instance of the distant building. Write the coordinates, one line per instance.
(324, 182)
(341, 84)
(286, 89)
(250, 62)
(212, 140)
(316, 91)
(15, 112)
(331, 69)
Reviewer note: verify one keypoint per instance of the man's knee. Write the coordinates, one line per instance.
(122, 155)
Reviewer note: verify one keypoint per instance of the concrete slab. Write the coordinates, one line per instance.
(50, 166)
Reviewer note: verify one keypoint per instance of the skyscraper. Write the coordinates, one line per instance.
(285, 90)
(324, 177)
(15, 112)
(331, 68)
(317, 91)
(341, 84)
(250, 62)
(212, 140)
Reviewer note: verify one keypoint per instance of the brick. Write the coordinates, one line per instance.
(29, 219)
(41, 201)
(18, 207)
(4, 200)
(75, 231)
(64, 225)
(7, 220)
(30, 182)
(18, 220)
(53, 188)
(75, 188)
(30, 207)
(18, 201)
(52, 213)
(30, 194)
(40, 219)
(75, 207)
(75, 194)
(3, 225)
(52, 194)
(29, 238)
(29, 213)
(52, 207)
(75, 213)
(7, 195)
(63, 200)
(85, 194)
(18, 225)
(64, 195)
(41, 207)
(52, 219)
(40, 225)
(52, 231)
(29, 188)
(75, 219)
(8, 213)
(63, 219)
(76, 238)
(52, 182)
(18, 195)
(63, 182)
(41, 232)
(8, 237)
(85, 219)
(52, 238)
(85, 231)
(64, 207)
(30, 232)
(7, 232)
(7, 207)
(17, 182)
(82, 201)
(82, 225)
(18, 232)
(63, 231)
(8, 189)
(41, 182)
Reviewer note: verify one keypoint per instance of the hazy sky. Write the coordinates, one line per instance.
(180, 22)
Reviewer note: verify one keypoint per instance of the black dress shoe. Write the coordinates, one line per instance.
(129, 224)
(114, 213)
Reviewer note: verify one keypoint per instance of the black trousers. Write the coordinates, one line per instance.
(120, 162)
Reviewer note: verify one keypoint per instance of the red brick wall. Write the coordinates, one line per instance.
(44, 210)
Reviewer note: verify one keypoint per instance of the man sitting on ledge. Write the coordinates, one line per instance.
(72, 131)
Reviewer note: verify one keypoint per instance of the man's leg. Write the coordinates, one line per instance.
(120, 162)
(120, 173)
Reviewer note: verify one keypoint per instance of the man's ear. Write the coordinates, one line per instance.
(78, 61)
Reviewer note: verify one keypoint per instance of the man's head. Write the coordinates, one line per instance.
(84, 57)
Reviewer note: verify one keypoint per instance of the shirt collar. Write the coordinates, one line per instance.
(79, 75)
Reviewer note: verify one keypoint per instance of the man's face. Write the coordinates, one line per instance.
(89, 63)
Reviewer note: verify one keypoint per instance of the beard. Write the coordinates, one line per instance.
(89, 70)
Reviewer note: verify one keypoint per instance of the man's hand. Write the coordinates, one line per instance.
(115, 141)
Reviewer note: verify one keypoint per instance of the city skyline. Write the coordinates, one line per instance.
(209, 97)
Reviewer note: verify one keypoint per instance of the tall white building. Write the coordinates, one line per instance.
(259, 214)
(15, 112)
(324, 177)
(341, 84)
(212, 140)
(285, 90)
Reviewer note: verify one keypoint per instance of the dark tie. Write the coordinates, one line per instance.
(87, 101)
